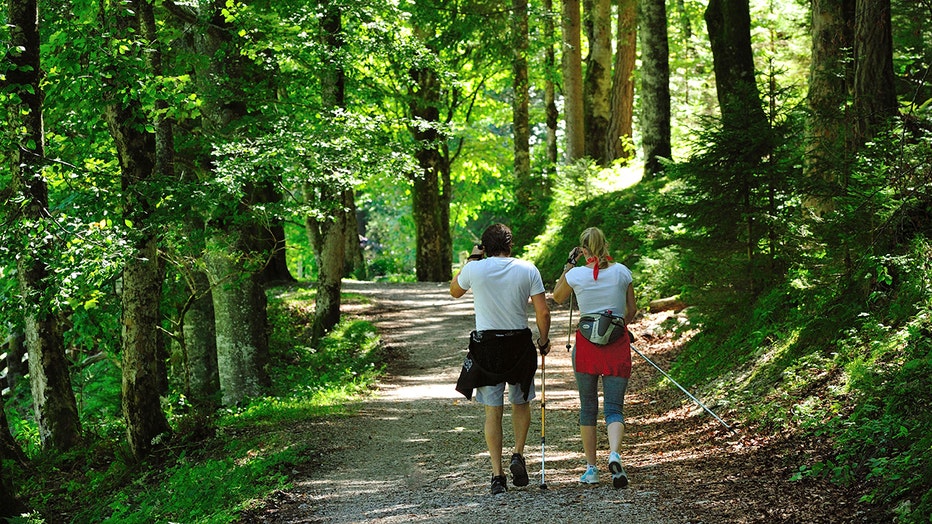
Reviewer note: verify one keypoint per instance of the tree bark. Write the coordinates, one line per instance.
(597, 103)
(655, 84)
(832, 42)
(550, 99)
(239, 247)
(140, 154)
(328, 235)
(431, 189)
(526, 195)
(202, 382)
(621, 124)
(729, 25)
(53, 397)
(874, 80)
(572, 82)
(240, 318)
(9, 451)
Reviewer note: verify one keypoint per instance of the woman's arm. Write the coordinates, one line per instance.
(631, 305)
(562, 290)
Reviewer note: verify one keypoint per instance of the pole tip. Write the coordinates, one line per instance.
(543, 486)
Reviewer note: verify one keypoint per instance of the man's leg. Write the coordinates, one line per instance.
(493, 437)
(521, 423)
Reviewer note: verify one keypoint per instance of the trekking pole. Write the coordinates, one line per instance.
(688, 394)
(569, 330)
(543, 417)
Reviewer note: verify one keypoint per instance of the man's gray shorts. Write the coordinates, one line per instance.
(495, 395)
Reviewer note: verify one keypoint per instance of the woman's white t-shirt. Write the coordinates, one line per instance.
(501, 287)
(609, 292)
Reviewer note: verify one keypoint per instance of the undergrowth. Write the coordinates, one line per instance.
(217, 465)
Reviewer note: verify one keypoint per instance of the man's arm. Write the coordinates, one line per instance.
(542, 313)
(455, 290)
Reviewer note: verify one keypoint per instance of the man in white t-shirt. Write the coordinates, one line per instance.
(501, 288)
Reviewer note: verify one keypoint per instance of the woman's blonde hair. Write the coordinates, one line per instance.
(594, 241)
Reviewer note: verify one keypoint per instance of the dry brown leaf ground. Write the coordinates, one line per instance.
(415, 450)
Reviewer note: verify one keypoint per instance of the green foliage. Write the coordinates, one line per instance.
(245, 452)
(840, 346)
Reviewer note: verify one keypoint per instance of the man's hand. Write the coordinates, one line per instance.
(544, 348)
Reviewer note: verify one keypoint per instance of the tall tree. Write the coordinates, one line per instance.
(524, 190)
(234, 86)
(550, 99)
(832, 43)
(328, 231)
(53, 398)
(621, 124)
(729, 25)
(573, 111)
(874, 80)
(597, 98)
(144, 157)
(432, 187)
(655, 84)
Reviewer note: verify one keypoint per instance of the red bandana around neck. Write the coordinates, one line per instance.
(595, 268)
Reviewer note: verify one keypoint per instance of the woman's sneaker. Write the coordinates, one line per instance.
(591, 476)
(498, 484)
(619, 477)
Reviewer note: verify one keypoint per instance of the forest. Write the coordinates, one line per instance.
(186, 185)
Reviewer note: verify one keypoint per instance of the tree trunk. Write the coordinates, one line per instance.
(572, 82)
(328, 236)
(621, 124)
(832, 41)
(53, 398)
(729, 25)
(525, 194)
(431, 189)
(354, 259)
(550, 99)
(655, 84)
(140, 154)
(142, 375)
(874, 80)
(597, 99)
(240, 319)
(9, 451)
(238, 250)
(202, 383)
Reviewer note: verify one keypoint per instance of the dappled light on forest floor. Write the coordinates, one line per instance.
(416, 451)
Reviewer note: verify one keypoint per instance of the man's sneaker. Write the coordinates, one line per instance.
(518, 470)
(591, 476)
(619, 477)
(498, 485)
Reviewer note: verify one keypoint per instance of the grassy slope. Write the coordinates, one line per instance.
(847, 359)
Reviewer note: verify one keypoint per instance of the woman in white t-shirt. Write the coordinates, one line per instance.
(601, 286)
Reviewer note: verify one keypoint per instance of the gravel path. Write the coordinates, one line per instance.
(416, 453)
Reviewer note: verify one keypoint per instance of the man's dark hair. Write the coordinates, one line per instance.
(497, 240)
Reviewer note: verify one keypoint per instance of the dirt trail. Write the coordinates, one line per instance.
(416, 453)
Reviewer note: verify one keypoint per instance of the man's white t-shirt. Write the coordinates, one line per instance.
(609, 292)
(501, 287)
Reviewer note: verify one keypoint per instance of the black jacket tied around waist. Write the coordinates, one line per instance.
(497, 356)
